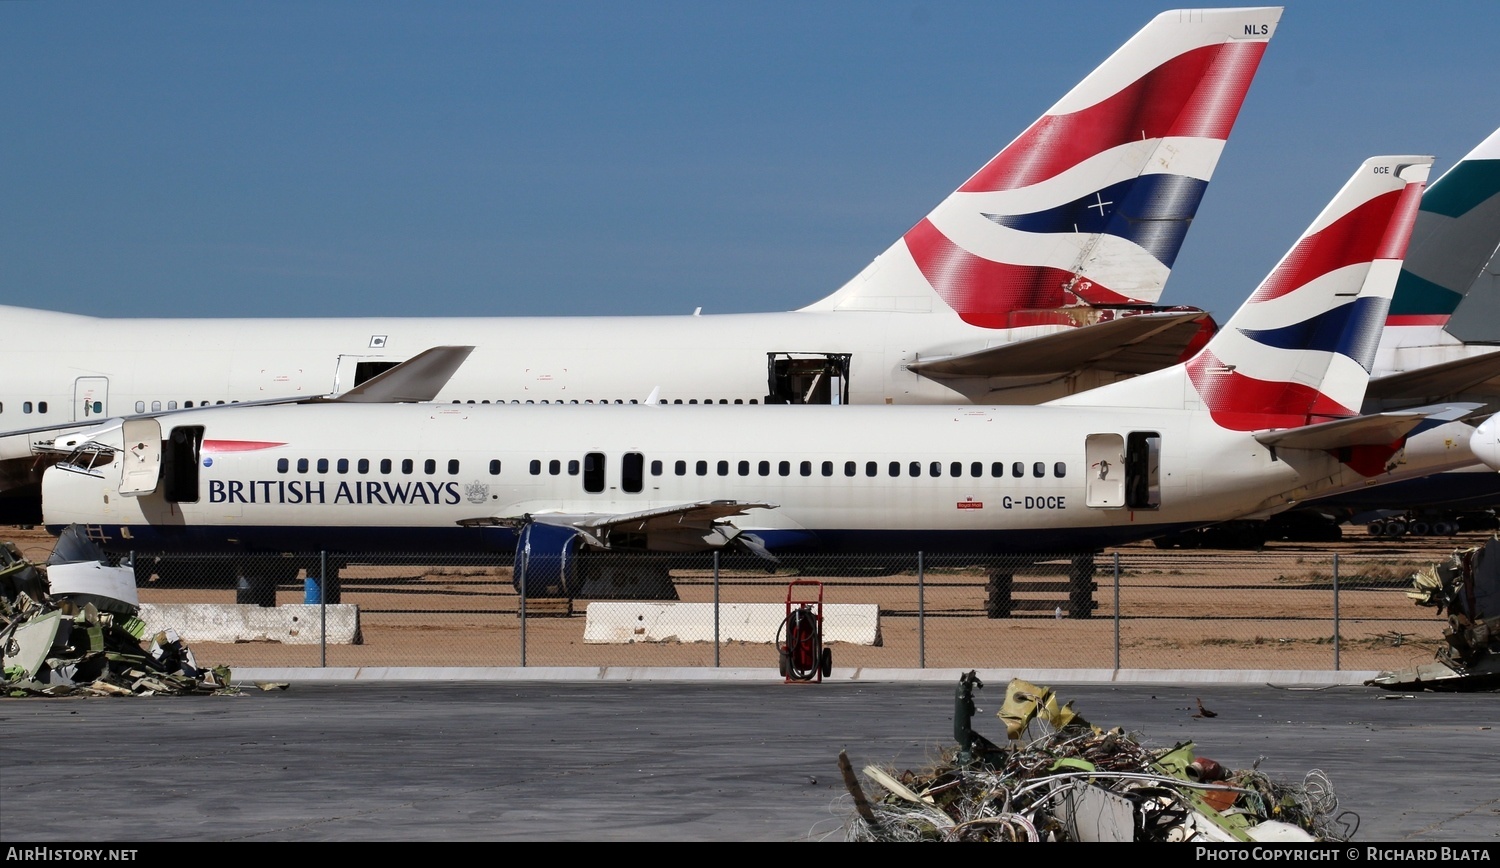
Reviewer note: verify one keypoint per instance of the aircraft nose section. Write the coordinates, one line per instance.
(1485, 442)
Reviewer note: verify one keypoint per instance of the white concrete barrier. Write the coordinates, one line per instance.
(290, 625)
(622, 623)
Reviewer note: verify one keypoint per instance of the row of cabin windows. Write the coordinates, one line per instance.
(98, 406)
(39, 407)
(592, 465)
(1018, 469)
(157, 407)
(386, 465)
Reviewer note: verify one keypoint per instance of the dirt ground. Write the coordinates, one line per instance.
(1177, 609)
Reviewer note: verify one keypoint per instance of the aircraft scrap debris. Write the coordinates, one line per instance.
(1467, 587)
(72, 627)
(1062, 779)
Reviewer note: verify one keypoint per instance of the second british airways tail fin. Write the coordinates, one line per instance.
(1299, 351)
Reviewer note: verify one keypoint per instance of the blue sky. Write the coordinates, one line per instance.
(333, 158)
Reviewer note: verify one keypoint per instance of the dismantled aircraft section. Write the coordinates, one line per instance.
(1467, 587)
(72, 627)
(1060, 778)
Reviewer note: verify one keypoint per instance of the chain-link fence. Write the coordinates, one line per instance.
(1134, 608)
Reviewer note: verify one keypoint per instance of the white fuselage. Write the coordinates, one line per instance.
(857, 479)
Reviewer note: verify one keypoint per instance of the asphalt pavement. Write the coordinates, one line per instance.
(668, 760)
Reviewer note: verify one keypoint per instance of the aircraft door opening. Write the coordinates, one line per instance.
(808, 378)
(1143, 470)
(90, 398)
(593, 472)
(180, 463)
(355, 370)
(1105, 454)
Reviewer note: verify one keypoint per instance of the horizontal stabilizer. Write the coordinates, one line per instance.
(1471, 377)
(1131, 344)
(1378, 429)
(419, 378)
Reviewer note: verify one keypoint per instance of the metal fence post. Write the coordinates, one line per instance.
(1117, 611)
(323, 606)
(921, 614)
(1336, 629)
(716, 610)
(520, 559)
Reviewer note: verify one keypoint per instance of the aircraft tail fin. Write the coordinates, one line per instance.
(1299, 351)
(1089, 206)
(1457, 231)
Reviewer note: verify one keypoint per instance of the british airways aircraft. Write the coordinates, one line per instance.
(1076, 222)
(1262, 417)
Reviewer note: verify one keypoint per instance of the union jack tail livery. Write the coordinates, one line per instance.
(1089, 206)
(1300, 350)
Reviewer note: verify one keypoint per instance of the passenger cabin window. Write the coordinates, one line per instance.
(429, 466)
(363, 466)
(655, 468)
(342, 466)
(452, 466)
(554, 467)
(1039, 469)
(322, 465)
(406, 465)
(385, 465)
(536, 467)
(283, 465)
(301, 465)
(1018, 469)
(494, 467)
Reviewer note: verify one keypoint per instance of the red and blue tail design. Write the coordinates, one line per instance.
(1090, 205)
(1301, 348)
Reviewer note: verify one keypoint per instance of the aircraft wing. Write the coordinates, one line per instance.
(1377, 429)
(683, 527)
(703, 513)
(419, 378)
(1131, 344)
(1474, 376)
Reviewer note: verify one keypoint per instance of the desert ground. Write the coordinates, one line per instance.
(1274, 608)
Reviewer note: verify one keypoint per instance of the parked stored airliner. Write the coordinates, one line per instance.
(1076, 222)
(1262, 417)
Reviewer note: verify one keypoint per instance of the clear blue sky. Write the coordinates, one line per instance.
(334, 157)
